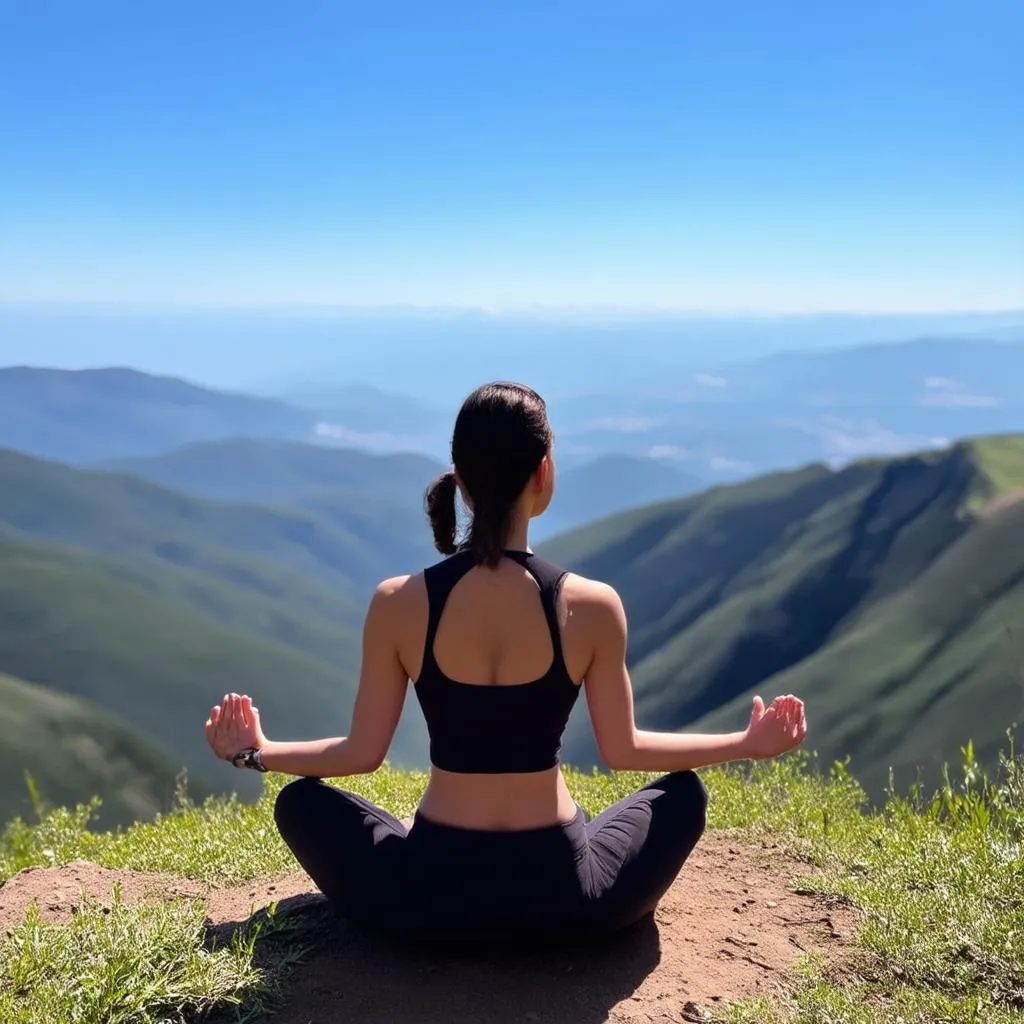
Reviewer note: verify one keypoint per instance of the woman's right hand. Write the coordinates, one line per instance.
(233, 726)
(780, 728)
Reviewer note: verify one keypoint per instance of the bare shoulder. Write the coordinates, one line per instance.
(398, 593)
(595, 602)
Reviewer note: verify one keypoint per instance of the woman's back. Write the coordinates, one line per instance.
(497, 656)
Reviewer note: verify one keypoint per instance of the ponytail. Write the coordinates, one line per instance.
(439, 502)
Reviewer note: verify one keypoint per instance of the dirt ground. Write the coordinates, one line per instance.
(729, 927)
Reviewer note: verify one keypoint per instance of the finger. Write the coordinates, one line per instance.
(248, 711)
(758, 709)
(783, 714)
(791, 715)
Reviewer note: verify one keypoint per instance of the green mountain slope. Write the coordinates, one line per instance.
(115, 513)
(69, 623)
(252, 469)
(918, 674)
(74, 751)
(159, 541)
(733, 587)
(374, 502)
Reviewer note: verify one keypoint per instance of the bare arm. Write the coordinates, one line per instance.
(626, 748)
(235, 724)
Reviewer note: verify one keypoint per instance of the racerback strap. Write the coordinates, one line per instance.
(442, 577)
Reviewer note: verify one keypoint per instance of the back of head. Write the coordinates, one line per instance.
(501, 435)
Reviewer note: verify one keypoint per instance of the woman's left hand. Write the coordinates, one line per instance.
(234, 725)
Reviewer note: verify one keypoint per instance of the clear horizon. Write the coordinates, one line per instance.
(596, 312)
(730, 161)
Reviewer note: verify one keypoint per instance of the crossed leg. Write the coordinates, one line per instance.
(638, 846)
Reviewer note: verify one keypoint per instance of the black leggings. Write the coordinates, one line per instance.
(438, 883)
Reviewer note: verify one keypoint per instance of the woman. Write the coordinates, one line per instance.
(497, 643)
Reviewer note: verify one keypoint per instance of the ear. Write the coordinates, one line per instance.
(540, 477)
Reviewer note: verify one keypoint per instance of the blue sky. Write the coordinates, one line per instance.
(755, 155)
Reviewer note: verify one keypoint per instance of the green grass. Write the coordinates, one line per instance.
(128, 965)
(1000, 460)
(937, 880)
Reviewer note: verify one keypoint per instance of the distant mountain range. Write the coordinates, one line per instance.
(734, 420)
(717, 423)
(88, 415)
(435, 355)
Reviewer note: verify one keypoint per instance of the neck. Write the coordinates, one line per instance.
(518, 539)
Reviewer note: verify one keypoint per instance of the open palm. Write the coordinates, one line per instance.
(780, 728)
(234, 725)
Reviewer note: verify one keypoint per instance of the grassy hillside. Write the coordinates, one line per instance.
(874, 592)
(70, 622)
(88, 415)
(72, 751)
(122, 514)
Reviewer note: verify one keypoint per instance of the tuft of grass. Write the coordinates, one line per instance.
(128, 965)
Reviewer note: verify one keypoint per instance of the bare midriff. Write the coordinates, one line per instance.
(498, 803)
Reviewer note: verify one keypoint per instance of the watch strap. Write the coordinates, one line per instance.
(249, 758)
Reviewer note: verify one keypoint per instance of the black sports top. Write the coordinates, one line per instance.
(502, 728)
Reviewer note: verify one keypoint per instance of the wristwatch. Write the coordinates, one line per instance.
(249, 758)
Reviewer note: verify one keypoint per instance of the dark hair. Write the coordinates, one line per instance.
(501, 434)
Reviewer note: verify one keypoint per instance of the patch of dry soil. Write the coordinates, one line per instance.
(729, 927)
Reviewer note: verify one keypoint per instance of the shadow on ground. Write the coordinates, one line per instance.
(351, 976)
